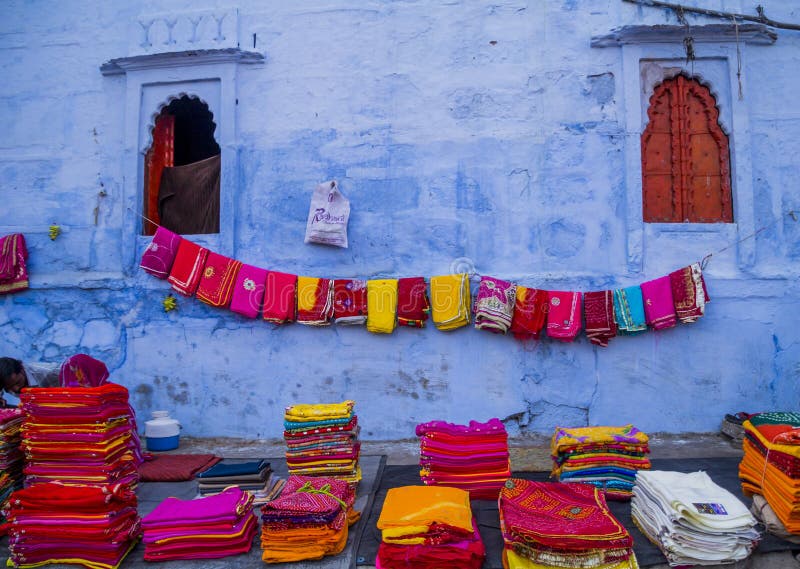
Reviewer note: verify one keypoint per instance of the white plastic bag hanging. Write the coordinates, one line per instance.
(327, 216)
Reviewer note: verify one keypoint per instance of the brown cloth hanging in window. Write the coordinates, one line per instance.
(188, 198)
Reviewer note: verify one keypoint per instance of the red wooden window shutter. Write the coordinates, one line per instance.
(160, 155)
(685, 158)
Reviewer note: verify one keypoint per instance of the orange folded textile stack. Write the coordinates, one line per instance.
(771, 464)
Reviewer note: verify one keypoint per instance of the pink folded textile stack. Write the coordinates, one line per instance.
(95, 526)
(10, 458)
(206, 528)
(472, 457)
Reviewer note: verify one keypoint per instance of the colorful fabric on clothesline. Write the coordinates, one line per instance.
(494, 307)
(349, 301)
(217, 280)
(689, 293)
(530, 313)
(600, 323)
(13, 263)
(413, 306)
(160, 253)
(629, 310)
(450, 301)
(564, 315)
(382, 303)
(280, 297)
(314, 301)
(187, 267)
(659, 307)
(248, 291)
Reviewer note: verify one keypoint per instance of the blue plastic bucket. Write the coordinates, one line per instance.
(163, 443)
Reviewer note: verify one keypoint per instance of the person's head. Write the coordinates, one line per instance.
(12, 375)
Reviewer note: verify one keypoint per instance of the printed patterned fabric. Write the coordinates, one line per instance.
(530, 313)
(187, 267)
(494, 307)
(556, 516)
(314, 301)
(157, 259)
(280, 297)
(566, 438)
(600, 323)
(691, 519)
(629, 310)
(659, 307)
(82, 370)
(450, 301)
(563, 315)
(689, 293)
(248, 291)
(216, 283)
(413, 306)
(349, 301)
(307, 412)
(13, 259)
(382, 302)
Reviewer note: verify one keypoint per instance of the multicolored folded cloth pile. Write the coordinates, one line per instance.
(309, 520)
(205, 528)
(10, 458)
(322, 440)
(771, 464)
(95, 526)
(79, 435)
(253, 476)
(691, 519)
(605, 457)
(550, 524)
(471, 457)
(428, 527)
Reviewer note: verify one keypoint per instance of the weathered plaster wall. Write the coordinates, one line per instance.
(483, 133)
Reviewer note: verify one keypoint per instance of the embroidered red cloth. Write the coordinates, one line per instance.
(216, 282)
(413, 306)
(187, 267)
(13, 270)
(563, 315)
(600, 323)
(689, 293)
(349, 301)
(530, 311)
(279, 297)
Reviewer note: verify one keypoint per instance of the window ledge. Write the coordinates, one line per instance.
(748, 33)
(123, 65)
(689, 227)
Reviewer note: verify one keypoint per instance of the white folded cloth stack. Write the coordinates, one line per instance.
(691, 519)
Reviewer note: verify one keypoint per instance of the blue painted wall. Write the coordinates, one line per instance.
(463, 132)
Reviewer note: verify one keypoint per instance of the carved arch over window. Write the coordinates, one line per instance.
(686, 174)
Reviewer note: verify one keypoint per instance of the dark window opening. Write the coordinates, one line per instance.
(686, 174)
(182, 170)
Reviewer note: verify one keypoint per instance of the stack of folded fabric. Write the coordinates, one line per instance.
(771, 464)
(95, 526)
(10, 458)
(605, 457)
(309, 520)
(205, 528)
(691, 519)
(79, 435)
(549, 524)
(322, 440)
(428, 528)
(471, 457)
(254, 476)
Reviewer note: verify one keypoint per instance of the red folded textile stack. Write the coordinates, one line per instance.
(51, 522)
(205, 528)
(81, 435)
(10, 458)
(472, 457)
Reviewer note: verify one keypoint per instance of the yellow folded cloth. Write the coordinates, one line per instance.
(512, 560)
(410, 510)
(310, 412)
(450, 301)
(382, 306)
